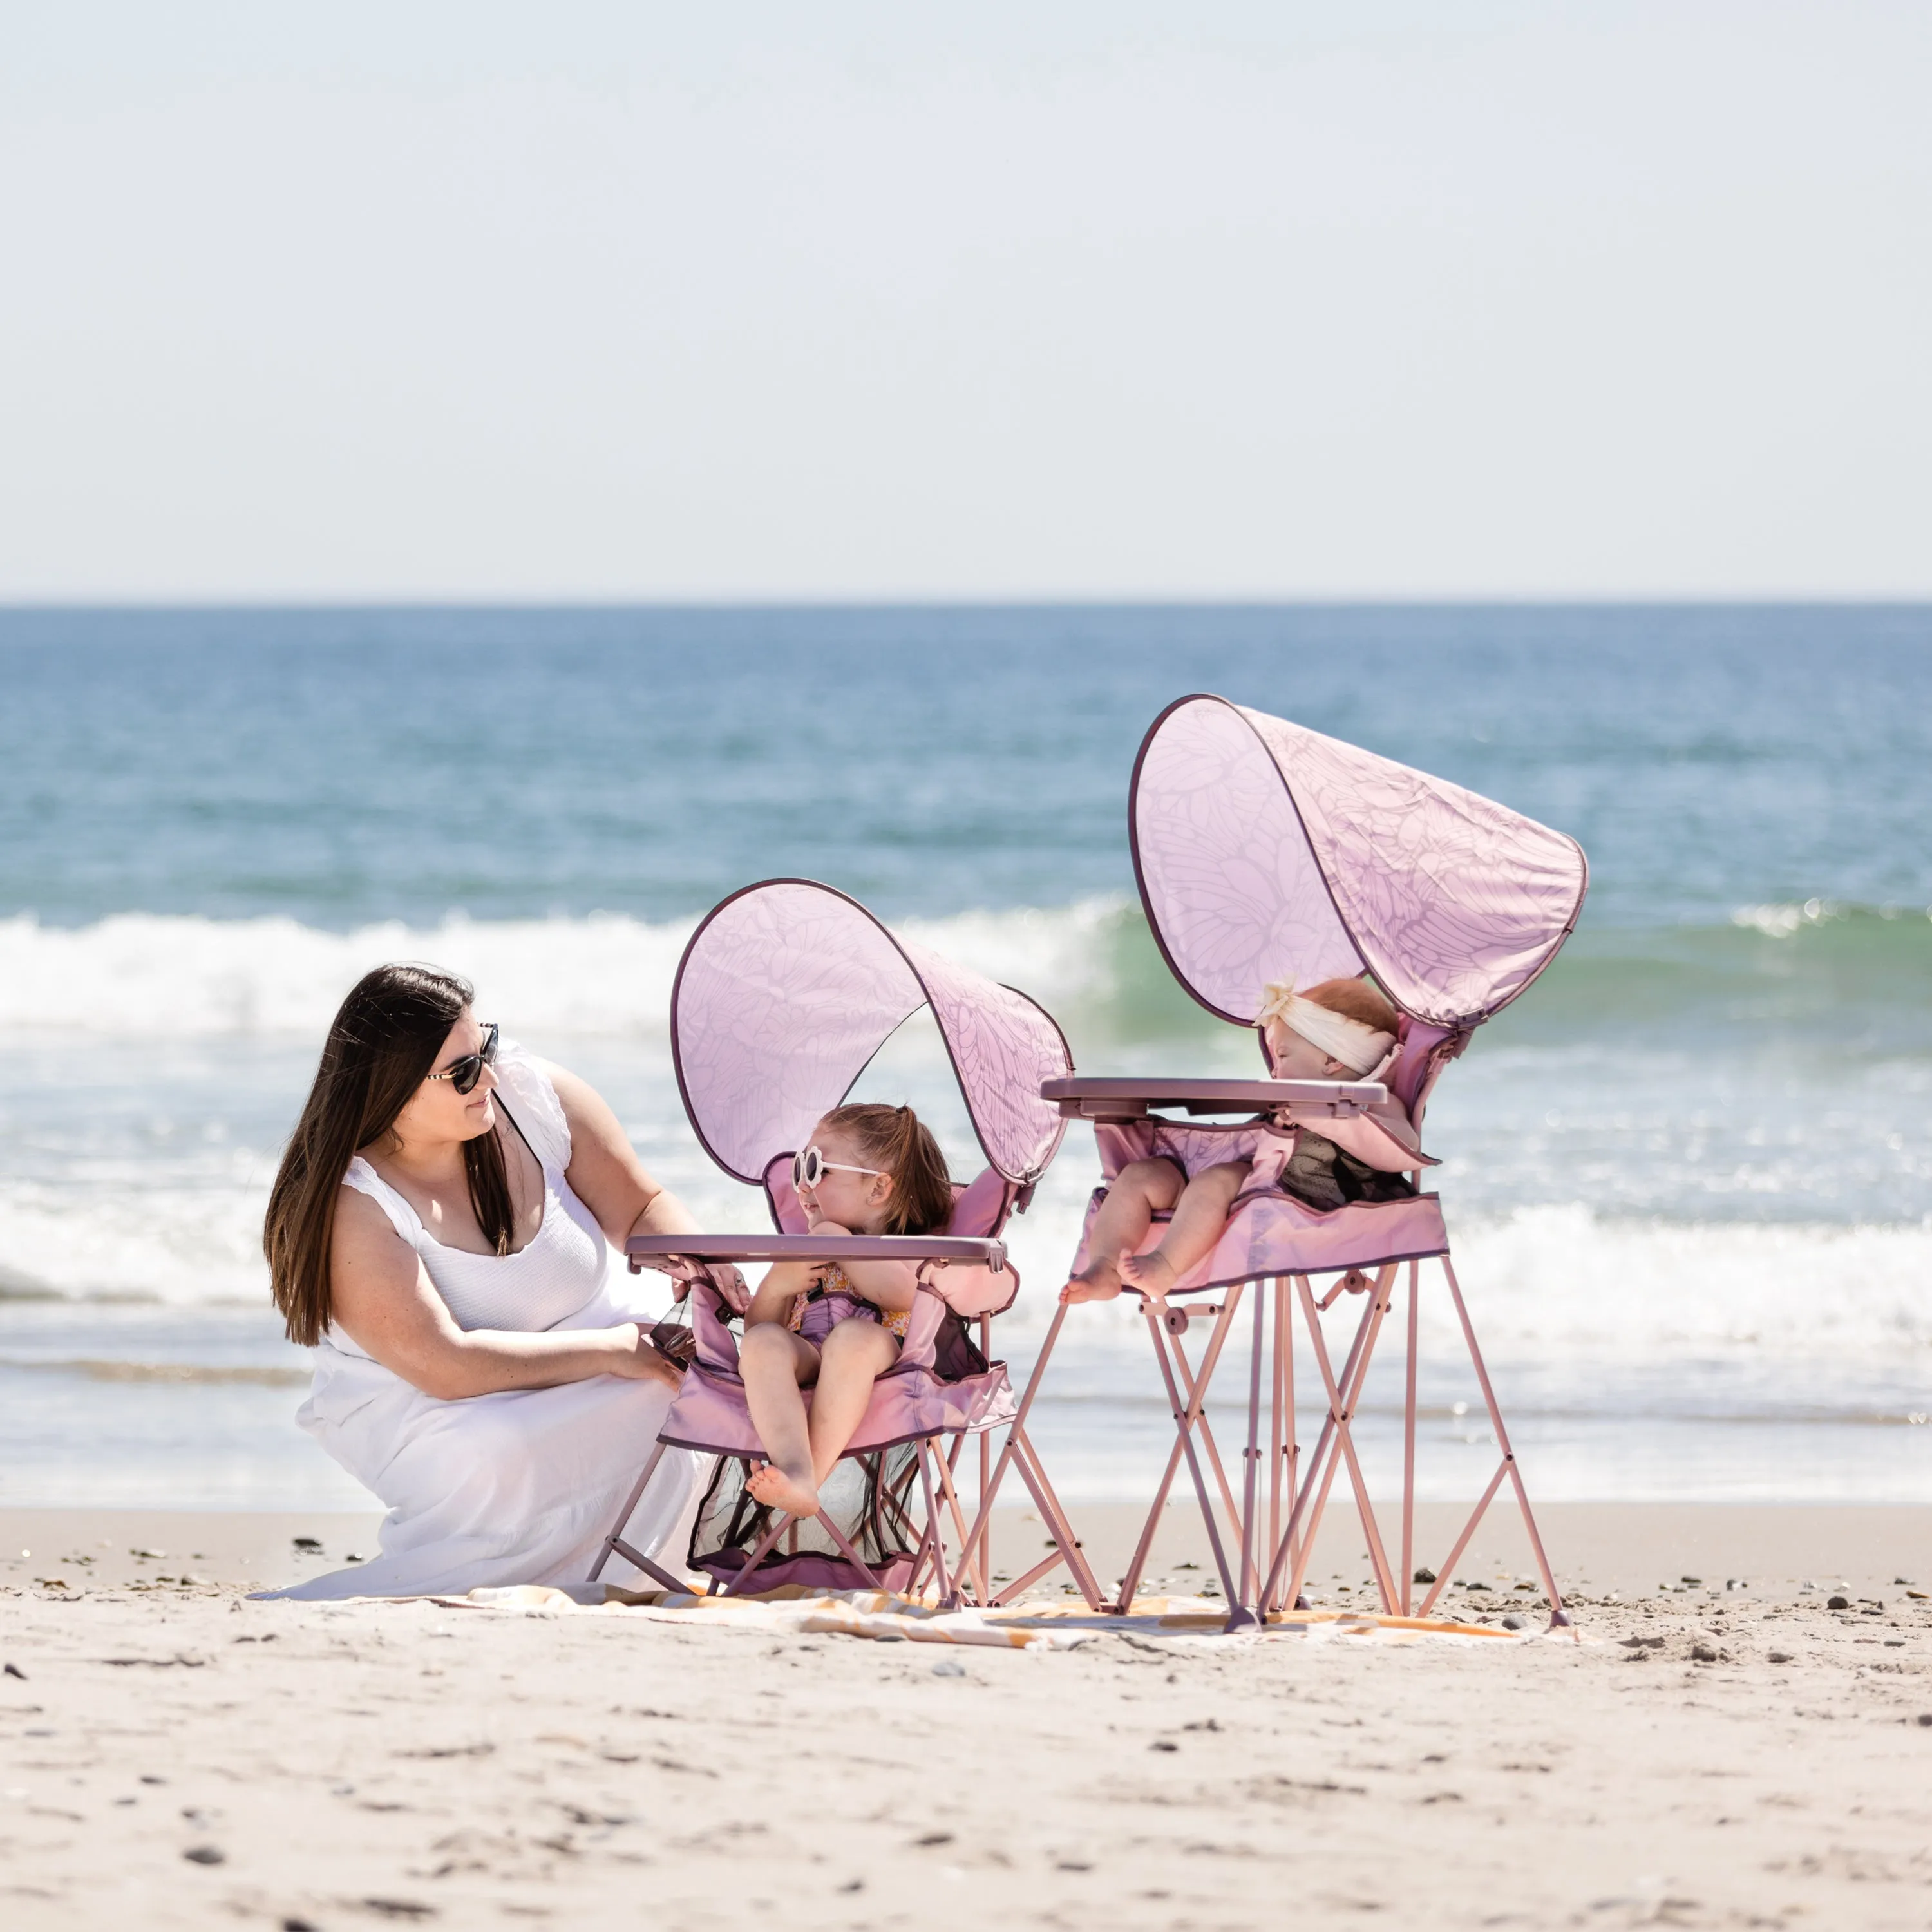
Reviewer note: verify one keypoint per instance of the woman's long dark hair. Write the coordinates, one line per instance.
(381, 1043)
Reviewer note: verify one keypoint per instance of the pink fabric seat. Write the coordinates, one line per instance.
(1272, 1234)
(914, 1398)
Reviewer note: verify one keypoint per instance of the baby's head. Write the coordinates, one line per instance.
(883, 1173)
(1341, 1030)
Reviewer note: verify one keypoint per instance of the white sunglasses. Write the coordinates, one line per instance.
(810, 1168)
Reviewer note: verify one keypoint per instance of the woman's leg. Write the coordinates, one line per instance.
(1140, 1189)
(857, 1352)
(775, 1363)
(1198, 1219)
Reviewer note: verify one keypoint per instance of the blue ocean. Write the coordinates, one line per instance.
(1689, 1174)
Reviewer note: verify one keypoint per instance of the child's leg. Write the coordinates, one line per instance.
(774, 1364)
(1198, 1219)
(1122, 1220)
(856, 1353)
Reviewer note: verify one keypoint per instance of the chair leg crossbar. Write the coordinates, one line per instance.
(1018, 1454)
(1262, 1531)
(966, 1577)
(615, 1545)
(1262, 1561)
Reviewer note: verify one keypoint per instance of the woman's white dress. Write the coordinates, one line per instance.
(520, 1486)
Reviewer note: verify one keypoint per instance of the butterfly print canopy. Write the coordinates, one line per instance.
(789, 988)
(1265, 851)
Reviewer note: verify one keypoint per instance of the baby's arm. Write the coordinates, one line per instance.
(785, 1282)
(892, 1286)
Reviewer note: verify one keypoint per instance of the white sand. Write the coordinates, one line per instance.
(1755, 1758)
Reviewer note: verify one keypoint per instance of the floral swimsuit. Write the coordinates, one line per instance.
(818, 1310)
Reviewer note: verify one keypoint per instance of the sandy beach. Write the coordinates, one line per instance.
(1702, 1755)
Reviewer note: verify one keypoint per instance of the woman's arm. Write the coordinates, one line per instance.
(615, 1185)
(609, 1178)
(386, 1304)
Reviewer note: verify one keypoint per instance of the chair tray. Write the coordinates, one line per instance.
(1081, 1098)
(818, 1248)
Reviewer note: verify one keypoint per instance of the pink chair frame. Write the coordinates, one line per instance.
(1264, 851)
(785, 992)
(714, 1422)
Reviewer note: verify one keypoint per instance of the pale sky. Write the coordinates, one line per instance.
(423, 299)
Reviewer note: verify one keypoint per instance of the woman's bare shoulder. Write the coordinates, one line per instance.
(363, 1231)
(579, 1100)
(586, 1113)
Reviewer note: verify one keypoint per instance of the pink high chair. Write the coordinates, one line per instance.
(1264, 852)
(784, 995)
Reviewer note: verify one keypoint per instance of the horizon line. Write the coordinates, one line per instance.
(1860, 600)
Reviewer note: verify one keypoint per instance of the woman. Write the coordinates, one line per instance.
(437, 1234)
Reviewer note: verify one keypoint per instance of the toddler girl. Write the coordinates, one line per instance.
(1341, 1030)
(836, 1327)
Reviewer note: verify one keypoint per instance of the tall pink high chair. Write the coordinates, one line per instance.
(784, 993)
(1266, 852)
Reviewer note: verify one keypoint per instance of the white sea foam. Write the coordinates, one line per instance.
(154, 975)
(1554, 1286)
(1560, 1285)
(1559, 1281)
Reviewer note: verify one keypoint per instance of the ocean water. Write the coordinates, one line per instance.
(1689, 1175)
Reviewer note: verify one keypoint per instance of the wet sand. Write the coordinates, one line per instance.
(172, 1754)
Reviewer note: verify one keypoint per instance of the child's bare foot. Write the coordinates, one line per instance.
(782, 1489)
(1098, 1281)
(1152, 1273)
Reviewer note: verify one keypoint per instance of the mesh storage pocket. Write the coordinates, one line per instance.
(866, 1495)
(956, 1355)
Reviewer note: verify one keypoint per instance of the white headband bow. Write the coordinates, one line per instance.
(1359, 1048)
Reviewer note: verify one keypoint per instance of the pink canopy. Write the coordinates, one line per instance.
(1265, 851)
(786, 991)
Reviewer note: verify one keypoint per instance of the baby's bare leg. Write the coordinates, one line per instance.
(1198, 1218)
(1140, 1189)
(774, 1364)
(857, 1352)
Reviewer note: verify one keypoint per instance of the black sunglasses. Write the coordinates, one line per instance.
(464, 1074)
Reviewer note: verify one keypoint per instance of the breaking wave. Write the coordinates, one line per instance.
(159, 975)
(1846, 973)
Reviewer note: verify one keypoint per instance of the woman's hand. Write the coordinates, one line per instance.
(640, 1362)
(685, 1272)
(724, 1277)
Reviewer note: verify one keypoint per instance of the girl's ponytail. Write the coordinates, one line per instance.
(903, 1145)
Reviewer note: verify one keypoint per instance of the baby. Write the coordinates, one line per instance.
(837, 1327)
(1341, 1030)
